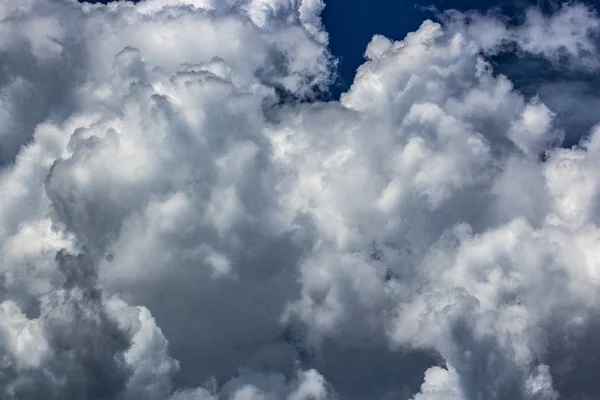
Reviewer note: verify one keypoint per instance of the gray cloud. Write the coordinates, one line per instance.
(81, 348)
(173, 228)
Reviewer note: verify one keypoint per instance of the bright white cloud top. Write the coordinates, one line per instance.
(180, 219)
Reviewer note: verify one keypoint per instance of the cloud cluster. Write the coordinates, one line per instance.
(181, 219)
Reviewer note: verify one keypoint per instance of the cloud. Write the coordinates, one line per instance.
(181, 219)
(567, 37)
(72, 349)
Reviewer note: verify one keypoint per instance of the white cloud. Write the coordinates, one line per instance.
(281, 248)
(22, 339)
(567, 37)
(440, 384)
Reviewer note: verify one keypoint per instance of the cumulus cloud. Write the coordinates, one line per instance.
(181, 219)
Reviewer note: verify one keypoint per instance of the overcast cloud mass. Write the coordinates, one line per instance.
(182, 219)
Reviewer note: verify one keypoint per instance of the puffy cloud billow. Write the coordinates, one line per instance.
(182, 217)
